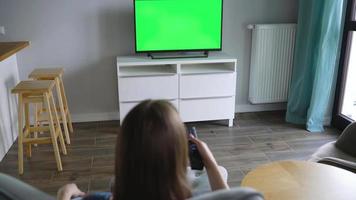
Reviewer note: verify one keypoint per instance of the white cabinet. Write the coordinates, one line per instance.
(125, 107)
(207, 109)
(200, 88)
(207, 85)
(9, 77)
(149, 87)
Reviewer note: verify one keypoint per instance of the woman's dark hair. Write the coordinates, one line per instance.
(152, 154)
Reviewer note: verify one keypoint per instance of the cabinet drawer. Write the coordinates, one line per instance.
(207, 109)
(207, 85)
(126, 107)
(149, 87)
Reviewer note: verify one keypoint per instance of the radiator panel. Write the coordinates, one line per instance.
(271, 62)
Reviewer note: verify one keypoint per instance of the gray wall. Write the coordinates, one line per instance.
(85, 36)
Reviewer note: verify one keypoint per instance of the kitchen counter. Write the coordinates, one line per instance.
(8, 49)
(9, 77)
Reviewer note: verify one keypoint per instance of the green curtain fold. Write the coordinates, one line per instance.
(319, 31)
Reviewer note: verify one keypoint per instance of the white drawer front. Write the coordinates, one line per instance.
(151, 87)
(207, 85)
(126, 107)
(207, 109)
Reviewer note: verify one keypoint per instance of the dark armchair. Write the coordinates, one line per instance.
(340, 153)
(13, 189)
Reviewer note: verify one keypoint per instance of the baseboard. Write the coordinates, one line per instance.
(260, 107)
(92, 117)
(327, 120)
(107, 116)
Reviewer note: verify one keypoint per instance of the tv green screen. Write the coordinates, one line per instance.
(178, 25)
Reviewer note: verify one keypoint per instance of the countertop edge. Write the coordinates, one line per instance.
(17, 46)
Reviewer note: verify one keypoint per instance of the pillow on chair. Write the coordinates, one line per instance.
(347, 140)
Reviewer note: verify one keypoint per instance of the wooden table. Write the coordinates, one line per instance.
(302, 180)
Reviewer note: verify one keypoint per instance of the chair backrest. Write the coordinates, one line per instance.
(237, 193)
(13, 189)
(347, 140)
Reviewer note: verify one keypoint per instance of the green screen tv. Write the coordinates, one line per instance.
(178, 25)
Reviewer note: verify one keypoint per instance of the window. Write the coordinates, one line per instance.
(345, 101)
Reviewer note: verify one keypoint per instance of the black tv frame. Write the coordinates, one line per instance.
(205, 54)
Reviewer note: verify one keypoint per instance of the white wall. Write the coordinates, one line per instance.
(85, 36)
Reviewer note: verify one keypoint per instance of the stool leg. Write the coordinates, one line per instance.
(27, 127)
(58, 124)
(35, 134)
(65, 103)
(63, 114)
(40, 110)
(19, 139)
(53, 134)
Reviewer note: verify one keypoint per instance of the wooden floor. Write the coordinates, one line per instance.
(255, 139)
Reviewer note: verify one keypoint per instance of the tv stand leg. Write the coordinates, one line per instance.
(231, 122)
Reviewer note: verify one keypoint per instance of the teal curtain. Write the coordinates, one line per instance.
(319, 31)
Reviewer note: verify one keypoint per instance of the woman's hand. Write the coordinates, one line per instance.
(204, 151)
(68, 191)
(215, 178)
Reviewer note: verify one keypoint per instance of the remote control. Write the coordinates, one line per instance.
(196, 162)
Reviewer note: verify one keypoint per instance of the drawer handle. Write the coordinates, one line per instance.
(197, 98)
(145, 75)
(205, 73)
(137, 101)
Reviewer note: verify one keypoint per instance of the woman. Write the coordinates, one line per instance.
(152, 157)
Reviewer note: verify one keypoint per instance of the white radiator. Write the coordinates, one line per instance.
(271, 62)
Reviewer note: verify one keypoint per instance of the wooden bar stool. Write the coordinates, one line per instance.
(65, 117)
(34, 92)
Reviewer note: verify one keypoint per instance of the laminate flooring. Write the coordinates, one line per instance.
(255, 139)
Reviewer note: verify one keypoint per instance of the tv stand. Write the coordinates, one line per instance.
(167, 55)
(200, 88)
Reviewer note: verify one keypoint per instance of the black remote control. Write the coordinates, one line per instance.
(196, 162)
